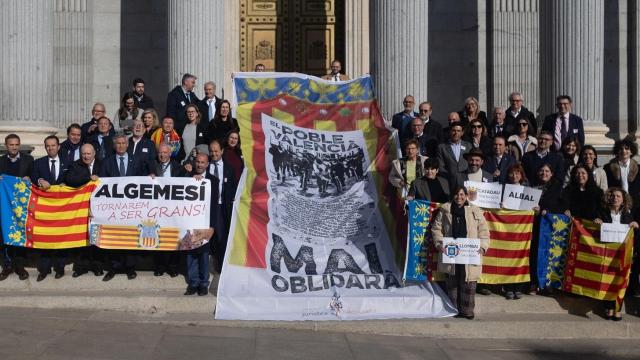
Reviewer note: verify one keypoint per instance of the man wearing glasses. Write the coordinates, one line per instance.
(533, 160)
(431, 129)
(402, 119)
(90, 128)
(564, 123)
(517, 111)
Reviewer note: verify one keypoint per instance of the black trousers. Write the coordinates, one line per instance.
(89, 258)
(52, 258)
(166, 261)
(123, 261)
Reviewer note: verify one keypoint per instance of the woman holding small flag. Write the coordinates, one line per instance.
(459, 219)
(616, 210)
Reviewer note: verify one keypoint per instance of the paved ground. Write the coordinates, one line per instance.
(82, 334)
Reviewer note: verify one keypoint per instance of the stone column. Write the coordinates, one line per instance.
(357, 37)
(616, 72)
(515, 52)
(399, 51)
(196, 42)
(571, 61)
(26, 70)
(72, 61)
(634, 68)
(231, 45)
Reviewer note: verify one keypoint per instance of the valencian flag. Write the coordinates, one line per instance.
(52, 219)
(419, 240)
(595, 269)
(552, 249)
(305, 103)
(507, 259)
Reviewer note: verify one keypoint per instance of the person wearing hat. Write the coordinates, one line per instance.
(474, 171)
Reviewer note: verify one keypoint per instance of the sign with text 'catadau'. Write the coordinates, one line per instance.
(309, 239)
(141, 213)
(484, 195)
(518, 197)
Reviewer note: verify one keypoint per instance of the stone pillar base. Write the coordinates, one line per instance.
(594, 134)
(30, 135)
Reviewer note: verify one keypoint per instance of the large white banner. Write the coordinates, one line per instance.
(328, 254)
(139, 212)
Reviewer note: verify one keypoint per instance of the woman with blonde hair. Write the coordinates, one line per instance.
(150, 121)
(472, 112)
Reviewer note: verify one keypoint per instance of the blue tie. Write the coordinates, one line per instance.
(123, 172)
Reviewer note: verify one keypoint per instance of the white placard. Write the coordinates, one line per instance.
(461, 251)
(613, 233)
(484, 195)
(518, 197)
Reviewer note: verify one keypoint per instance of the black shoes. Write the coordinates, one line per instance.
(132, 275)
(59, 274)
(5, 273)
(190, 290)
(158, 273)
(173, 274)
(109, 276)
(98, 272)
(202, 291)
(41, 276)
(22, 274)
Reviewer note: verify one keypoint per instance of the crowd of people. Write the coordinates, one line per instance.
(199, 138)
(509, 149)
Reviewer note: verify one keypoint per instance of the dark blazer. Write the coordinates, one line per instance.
(512, 122)
(42, 170)
(505, 130)
(229, 187)
(24, 167)
(449, 167)
(220, 131)
(612, 169)
(398, 123)
(86, 135)
(576, 126)
(146, 151)
(145, 103)
(175, 168)
(482, 116)
(204, 109)
(107, 143)
(420, 189)
(583, 204)
(605, 216)
(531, 162)
(486, 144)
(491, 165)
(78, 173)
(551, 198)
(202, 134)
(66, 151)
(176, 103)
(110, 168)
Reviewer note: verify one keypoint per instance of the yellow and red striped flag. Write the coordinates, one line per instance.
(507, 260)
(595, 269)
(53, 219)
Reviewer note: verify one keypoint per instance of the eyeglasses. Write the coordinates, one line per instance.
(424, 110)
(523, 124)
(545, 139)
(417, 125)
(476, 126)
(516, 100)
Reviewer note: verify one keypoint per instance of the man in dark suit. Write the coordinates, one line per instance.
(141, 147)
(20, 165)
(564, 123)
(451, 156)
(198, 259)
(210, 104)
(498, 125)
(102, 139)
(432, 130)
(499, 162)
(167, 261)
(401, 121)
(533, 160)
(517, 111)
(70, 148)
(178, 99)
(90, 128)
(47, 171)
(143, 101)
(224, 204)
(121, 164)
(80, 172)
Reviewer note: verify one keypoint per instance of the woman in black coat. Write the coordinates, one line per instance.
(582, 198)
(616, 209)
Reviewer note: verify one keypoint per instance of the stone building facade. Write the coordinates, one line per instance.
(61, 56)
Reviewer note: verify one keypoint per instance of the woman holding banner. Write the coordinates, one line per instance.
(616, 210)
(459, 219)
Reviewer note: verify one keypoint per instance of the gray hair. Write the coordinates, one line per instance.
(515, 93)
(118, 135)
(209, 83)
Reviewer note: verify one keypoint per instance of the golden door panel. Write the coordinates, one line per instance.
(290, 35)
